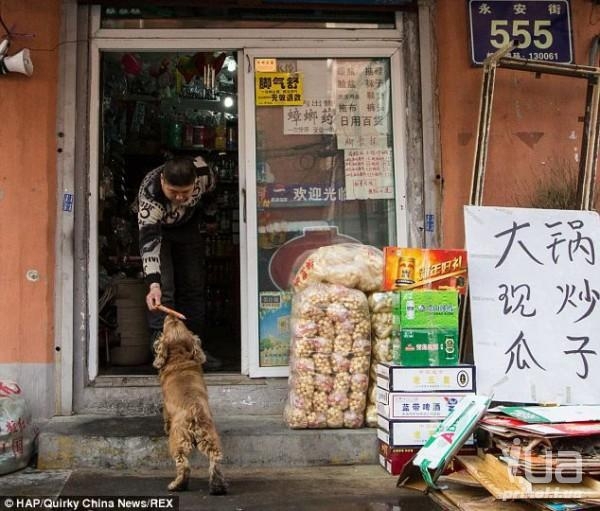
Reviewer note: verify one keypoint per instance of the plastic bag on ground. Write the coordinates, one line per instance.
(18, 434)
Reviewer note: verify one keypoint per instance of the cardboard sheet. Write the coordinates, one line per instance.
(496, 478)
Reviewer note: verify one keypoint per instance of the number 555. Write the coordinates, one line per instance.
(501, 36)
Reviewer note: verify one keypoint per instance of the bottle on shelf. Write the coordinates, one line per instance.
(220, 134)
(231, 134)
(176, 133)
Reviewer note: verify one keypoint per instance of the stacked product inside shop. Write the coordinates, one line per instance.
(424, 381)
(331, 337)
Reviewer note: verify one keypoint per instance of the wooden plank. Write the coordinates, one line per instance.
(495, 476)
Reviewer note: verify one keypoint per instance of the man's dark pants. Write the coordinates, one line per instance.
(182, 275)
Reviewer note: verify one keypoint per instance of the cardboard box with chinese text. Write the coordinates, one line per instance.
(425, 347)
(459, 378)
(416, 268)
(417, 405)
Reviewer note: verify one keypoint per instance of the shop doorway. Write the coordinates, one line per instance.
(156, 105)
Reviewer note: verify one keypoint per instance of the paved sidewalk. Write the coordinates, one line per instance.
(336, 488)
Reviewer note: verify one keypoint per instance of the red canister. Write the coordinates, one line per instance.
(188, 135)
(200, 136)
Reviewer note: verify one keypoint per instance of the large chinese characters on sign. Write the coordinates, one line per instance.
(534, 281)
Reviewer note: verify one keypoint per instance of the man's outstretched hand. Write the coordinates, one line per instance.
(154, 296)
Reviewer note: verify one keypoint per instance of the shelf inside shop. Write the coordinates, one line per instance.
(182, 104)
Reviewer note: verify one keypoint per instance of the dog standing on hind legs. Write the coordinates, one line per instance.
(187, 416)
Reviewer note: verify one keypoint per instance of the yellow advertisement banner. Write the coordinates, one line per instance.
(279, 89)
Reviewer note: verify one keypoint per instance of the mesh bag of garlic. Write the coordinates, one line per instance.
(380, 306)
(329, 358)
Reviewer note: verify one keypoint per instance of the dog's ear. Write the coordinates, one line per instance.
(161, 352)
(197, 353)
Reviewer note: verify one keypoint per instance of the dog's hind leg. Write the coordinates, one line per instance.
(180, 446)
(207, 441)
(217, 485)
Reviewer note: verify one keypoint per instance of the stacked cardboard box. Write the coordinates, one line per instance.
(412, 401)
(425, 328)
(423, 383)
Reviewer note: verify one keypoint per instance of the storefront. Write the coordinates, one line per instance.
(306, 117)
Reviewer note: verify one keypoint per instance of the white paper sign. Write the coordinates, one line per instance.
(362, 103)
(534, 285)
(315, 117)
(368, 174)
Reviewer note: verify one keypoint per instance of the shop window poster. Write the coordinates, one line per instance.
(279, 89)
(362, 100)
(315, 117)
(275, 308)
(369, 174)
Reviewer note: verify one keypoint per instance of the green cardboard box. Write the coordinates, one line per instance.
(425, 347)
(425, 309)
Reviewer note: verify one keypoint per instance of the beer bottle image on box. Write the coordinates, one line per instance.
(405, 274)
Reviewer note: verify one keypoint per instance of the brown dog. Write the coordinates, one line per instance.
(188, 420)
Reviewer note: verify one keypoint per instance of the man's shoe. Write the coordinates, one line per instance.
(212, 363)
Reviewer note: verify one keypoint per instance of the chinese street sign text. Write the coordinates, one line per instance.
(540, 28)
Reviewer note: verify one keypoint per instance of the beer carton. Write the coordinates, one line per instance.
(394, 459)
(408, 433)
(416, 405)
(425, 347)
(395, 378)
(417, 268)
(425, 309)
(405, 433)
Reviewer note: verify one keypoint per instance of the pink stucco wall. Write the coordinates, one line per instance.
(536, 127)
(28, 185)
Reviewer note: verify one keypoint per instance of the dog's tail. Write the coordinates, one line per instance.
(181, 437)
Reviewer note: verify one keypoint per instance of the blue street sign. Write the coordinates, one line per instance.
(540, 29)
(67, 202)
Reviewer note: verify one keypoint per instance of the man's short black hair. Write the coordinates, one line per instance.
(179, 171)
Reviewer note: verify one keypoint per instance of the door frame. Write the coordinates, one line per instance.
(337, 42)
(76, 387)
(399, 141)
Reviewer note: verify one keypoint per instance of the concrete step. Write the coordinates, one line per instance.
(228, 394)
(139, 443)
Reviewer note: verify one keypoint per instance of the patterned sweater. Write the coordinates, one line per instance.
(156, 211)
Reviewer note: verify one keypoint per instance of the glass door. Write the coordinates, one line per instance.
(324, 165)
